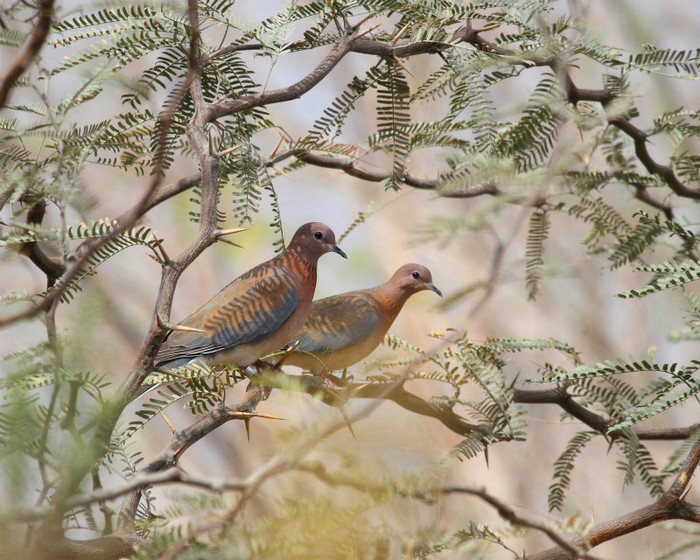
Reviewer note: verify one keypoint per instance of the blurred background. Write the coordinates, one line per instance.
(577, 303)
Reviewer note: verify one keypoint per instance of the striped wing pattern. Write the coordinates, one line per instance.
(338, 322)
(246, 311)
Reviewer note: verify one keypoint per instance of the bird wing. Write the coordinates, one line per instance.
(246, 311)
(338, 322)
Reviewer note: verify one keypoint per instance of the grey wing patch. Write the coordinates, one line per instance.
(247, 318)
(335, 323)
(258, 320)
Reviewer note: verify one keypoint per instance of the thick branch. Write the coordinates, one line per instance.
(31, 49)
(629, 523)
(562, 398)
(53, 268)
(639, 137)
(393, 392)
(575, 94)
(55, 546)
(182, 441)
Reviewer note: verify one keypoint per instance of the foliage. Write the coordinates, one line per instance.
(571, 158)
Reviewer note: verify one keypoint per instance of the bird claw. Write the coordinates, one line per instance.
(330, 384)
(264, 390)
(263, 364)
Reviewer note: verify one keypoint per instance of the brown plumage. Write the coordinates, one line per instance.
(258, 312)
(343, 329)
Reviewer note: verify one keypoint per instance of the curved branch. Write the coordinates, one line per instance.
(430, 495)
(53, 268)
(353, 42)
(639, 137)
(31, 49)
(345, 390)
(54, 545)
(642, 193)
(561, 397)
(182, 441)
(294, 91)
(350, 166)
(670, 505)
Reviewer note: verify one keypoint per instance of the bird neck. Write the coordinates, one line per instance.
(391, 298)
(301, 265)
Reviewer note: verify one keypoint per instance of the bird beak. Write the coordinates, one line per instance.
(338, 250)
(433, 287)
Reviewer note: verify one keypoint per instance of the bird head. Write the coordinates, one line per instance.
(414, 278)
(315, 239)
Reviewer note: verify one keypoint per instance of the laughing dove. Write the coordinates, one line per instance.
(257, 313)
(343, 329)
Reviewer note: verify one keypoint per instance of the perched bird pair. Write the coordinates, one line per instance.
(270, 306)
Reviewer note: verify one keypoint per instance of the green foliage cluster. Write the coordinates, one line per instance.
(51, 410)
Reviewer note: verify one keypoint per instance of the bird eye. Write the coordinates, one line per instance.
(415, 275)
(318, 235)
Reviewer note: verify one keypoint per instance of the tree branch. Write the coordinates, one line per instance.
(347, 390)
(138, 482)
(280, 463)
(562, 398)
(430, 496)
(350, 166)
(641, 192)
(55, 546)
(70, 480)
(206, 235)
(183, 440)
(603, 96)
(31, 49)
(226, 107)
(639, 137)
(670, 505)
(53, 268)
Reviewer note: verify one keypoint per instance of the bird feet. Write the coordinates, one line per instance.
(263, 364)
(335, 383)
(330, 384)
